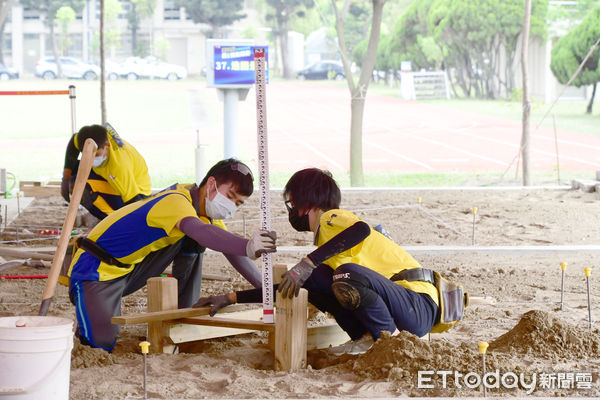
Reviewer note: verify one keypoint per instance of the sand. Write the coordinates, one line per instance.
(528, 333)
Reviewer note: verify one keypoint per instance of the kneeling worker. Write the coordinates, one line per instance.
(119, 174)
(140, 240)
(365, 280)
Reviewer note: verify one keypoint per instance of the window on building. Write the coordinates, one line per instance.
(29, 13)
(171, 11)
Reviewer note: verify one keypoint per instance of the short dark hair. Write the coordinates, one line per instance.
(234, 171)
(313, 187)
(97, 133)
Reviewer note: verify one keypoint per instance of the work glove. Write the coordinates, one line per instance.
(260, 243)
(292, 281)
(65, 188)
(216, 302)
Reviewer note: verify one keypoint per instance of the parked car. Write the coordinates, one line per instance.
(112, 70)
(323, 69)
(150, 67)
(8, 73)
(71, 68)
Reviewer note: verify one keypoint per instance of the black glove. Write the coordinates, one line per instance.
(216, 302)
(292, 281)
(260, 243)
(65, 187)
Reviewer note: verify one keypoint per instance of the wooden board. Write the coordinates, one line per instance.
(168, 315)
(321, 337)
(40, 188)
(24, 254)
(201, 328)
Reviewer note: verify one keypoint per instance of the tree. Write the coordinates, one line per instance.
(112, 33)
(476, 35)
(571, 50)
(65, 16)
(5, 7)
(140, 10)
(282, 12)
(358, 91)
(216, 13)
(526, 103)
(48, 9)
(412, 40)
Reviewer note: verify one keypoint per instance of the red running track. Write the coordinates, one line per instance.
(309, 125)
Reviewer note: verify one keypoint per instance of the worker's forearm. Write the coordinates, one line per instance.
(213, 237)
(246, 268)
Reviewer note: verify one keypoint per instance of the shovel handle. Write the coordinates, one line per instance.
(83, 172)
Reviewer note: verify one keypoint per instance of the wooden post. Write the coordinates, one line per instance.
(278, 270)
(162, 296)
(290, 332)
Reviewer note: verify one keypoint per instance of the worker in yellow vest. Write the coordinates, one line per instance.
(119, 174)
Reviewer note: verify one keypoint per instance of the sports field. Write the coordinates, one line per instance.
(308, 125)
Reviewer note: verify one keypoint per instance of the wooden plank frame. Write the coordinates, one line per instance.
(289, 337)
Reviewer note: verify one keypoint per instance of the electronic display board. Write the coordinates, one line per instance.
(232, 65)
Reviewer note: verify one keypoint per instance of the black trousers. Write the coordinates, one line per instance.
(394, 306)
(97, 302)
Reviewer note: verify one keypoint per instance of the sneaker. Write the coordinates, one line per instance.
(358, 346)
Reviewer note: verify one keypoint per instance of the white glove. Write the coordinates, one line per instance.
(260, 243)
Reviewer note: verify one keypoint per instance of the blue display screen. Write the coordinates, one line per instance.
(234, 65)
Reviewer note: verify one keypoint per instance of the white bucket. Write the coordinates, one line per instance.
(35, 359)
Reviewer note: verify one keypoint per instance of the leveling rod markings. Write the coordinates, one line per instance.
(263, 180)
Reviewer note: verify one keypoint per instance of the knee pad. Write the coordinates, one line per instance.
(352, 291)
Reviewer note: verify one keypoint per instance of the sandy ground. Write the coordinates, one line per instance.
(527, 331)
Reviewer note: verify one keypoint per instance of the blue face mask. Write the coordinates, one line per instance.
(98, 161)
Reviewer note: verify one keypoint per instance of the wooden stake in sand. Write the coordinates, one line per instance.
(563, 267)
(85, 166)
(482, 349)
(145, 345)
(473, 236)
(588, 272)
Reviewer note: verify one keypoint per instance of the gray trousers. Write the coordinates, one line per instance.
(97, 302)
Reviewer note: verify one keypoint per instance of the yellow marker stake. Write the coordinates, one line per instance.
(482, 349)
(588, 272)
(473, 237)
(418, 200)
(563, 267)
(145, 345)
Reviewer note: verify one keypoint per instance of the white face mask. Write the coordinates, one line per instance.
(98, 161)
(220, 207)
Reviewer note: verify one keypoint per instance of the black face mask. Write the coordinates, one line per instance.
(299, 223)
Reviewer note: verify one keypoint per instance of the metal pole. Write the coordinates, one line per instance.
(200, 159)
(556, 145)
(588, 271)
(72, 97)
(230, 106)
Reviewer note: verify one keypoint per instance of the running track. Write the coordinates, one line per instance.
(309, 125)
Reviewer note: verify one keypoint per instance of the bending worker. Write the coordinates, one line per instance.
(119, 174)
(366, 281)
(140, 240)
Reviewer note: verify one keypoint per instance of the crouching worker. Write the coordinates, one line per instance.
(140, 240)
(119, 174)
(365, 280)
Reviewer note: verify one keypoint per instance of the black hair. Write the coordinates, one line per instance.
(313, 187)
(95, 132)
(234, 171)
